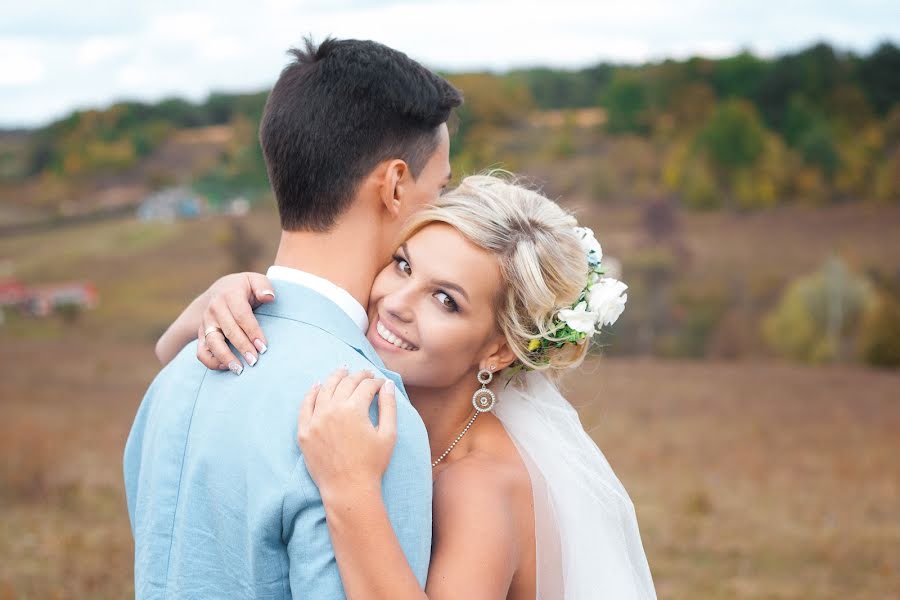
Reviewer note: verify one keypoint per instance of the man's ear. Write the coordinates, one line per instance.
(393, 186)
(500, 356)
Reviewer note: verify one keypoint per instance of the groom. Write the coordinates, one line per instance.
(221, 504)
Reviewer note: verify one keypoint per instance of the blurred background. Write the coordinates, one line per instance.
(741, 163)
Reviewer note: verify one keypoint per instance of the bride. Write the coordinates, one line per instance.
(493, 295)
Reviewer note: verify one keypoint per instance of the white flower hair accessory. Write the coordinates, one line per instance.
(600, 303)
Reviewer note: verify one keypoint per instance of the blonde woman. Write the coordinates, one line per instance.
(494, 282)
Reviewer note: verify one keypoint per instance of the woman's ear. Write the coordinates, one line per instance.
(500, 356)
(393, 187)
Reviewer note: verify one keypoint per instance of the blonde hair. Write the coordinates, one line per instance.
(543, 264)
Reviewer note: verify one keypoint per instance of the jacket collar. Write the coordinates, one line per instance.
(299, 303)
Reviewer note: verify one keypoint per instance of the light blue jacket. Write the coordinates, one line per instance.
(220, 501)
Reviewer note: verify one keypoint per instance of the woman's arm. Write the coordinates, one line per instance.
(228, 304)
(473, 548)
(182, 330)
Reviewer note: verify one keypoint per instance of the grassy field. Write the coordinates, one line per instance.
(751, 479)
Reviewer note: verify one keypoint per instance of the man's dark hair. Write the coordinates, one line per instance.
(336, 112)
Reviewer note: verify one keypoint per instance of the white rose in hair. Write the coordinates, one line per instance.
(589, 242)
(608, 299)
(579, 318)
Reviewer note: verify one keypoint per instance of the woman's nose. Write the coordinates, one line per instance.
(398, 304)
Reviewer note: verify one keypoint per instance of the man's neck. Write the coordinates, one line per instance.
(346, 256)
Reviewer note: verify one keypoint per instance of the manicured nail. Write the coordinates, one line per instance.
(251, 360)
(267, 293)
(389, 386)
(235, 367)
(222, 367)
(260, 346)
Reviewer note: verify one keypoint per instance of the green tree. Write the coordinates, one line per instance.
(626, 104)
(493, 103)
(732, 141)
(878, 75)
(738, 76)
(808, 130)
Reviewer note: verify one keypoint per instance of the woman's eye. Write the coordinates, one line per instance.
(448, 302)
(402, 264)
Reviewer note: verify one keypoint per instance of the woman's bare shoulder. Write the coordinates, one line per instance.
(495, 473)
(472, 517)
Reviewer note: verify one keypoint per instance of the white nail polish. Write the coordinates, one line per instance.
(235, 367)
(251, 360)
(260, 346)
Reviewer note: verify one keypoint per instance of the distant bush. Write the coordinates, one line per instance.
(70, 312)
(818, 314)
(698, 187)
(696, 312)
(880, 336)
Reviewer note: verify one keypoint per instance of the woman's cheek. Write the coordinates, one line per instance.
(449, 350)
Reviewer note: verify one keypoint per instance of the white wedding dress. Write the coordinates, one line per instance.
(586, 532)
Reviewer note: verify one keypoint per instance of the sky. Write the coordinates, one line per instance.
(58, 56)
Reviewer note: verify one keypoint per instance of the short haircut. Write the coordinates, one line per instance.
(335, 113)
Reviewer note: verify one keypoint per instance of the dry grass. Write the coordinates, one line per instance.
(756, 480)
(66, 413)
(750, 480)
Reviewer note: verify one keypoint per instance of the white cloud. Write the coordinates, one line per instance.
(21, 65)
(97, 50)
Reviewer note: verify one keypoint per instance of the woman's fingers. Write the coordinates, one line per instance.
(387, 412)
(262, 290)
(330, 385)
(217, 344)
(204, 354)
(225, 312)
(242, 304)
(349, 384)
(306, 412)
(365, 392)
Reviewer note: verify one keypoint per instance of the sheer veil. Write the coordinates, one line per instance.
(586, 532)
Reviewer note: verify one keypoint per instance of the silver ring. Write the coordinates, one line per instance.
(212, 328)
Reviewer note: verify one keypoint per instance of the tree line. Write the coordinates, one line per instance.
(818, 125)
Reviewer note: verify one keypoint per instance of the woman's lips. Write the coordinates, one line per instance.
(392, 338)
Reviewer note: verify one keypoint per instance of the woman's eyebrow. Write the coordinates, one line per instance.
(452, 286)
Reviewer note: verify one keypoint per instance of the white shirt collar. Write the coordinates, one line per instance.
(335, 293)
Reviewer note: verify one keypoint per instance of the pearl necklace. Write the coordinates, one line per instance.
(456, 441)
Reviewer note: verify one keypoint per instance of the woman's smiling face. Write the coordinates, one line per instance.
(432, 311)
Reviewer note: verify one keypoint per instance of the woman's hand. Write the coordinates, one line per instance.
(225, 296)
(343, 451)
(229, 306)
